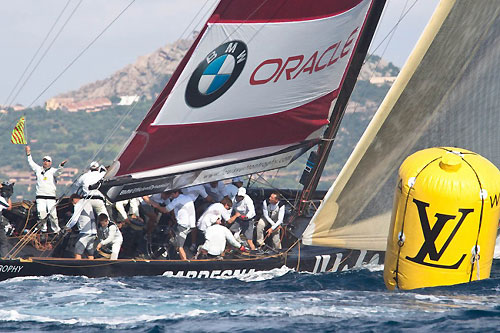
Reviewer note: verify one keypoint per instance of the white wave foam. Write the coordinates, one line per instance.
(78, 292)
(372, 267)
(264, 275)
(15, 316)
(333, 311)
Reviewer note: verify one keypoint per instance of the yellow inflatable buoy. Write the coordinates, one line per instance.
(444, 221)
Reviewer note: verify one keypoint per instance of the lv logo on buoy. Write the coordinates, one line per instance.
(431, 234)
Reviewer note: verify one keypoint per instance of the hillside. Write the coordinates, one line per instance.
(82, 137)
(146, 77)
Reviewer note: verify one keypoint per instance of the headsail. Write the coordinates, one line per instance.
(445, 95)
(255, 90)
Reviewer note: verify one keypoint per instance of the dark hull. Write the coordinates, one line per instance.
(310, 259)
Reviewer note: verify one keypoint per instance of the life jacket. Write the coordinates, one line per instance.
(273, 214)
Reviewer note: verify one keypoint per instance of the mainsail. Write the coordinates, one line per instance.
(255, 90)
(445, 95)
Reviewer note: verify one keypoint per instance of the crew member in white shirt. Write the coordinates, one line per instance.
(273, 212)
(5, 203)
(219, 210)
(183, 208)
(94, 175)
(132, 212)
(201, 201)
(84, 218)
(215, 239)
(232, 189)
(109, 235)
(46, 179)
(216, 190)
(243, 205)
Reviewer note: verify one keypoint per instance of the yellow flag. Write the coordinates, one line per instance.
(18, 133)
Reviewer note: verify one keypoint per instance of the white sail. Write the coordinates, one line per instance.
(445, 95)
(253, 93)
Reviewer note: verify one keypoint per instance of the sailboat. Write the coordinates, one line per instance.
(286, 69)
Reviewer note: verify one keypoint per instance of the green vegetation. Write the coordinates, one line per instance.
(82, 137)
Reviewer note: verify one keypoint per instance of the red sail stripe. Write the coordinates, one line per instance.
(171, 146)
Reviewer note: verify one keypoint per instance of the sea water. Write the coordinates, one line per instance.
(276, 301)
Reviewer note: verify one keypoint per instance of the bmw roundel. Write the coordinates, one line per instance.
(216, 73)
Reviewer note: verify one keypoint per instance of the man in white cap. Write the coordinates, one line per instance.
(46, 179)
(232, 189)
(244, 224)
(94, 175)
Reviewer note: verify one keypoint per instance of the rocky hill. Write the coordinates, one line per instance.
(149, 74)
(146, 77)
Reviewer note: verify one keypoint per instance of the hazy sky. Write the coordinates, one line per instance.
(144, 27)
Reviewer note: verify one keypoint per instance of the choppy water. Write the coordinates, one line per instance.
(279, 301)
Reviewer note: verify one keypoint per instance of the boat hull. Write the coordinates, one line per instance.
(309, 259)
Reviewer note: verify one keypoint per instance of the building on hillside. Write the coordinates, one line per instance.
(57, 103)
(28, 177)
(128, 100)
(70, 105)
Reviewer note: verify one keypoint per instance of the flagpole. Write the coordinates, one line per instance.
(25, 129)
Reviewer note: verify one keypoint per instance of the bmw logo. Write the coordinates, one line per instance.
(216, 73)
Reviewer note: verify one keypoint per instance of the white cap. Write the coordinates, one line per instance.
(241, 192)
(237, 180)
(94, 165)
(48, 158)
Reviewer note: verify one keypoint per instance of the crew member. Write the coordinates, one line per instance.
(273, 212)
(133, 209)
(147, 206)
(94, 175)
(183, 208)
(216, 190)
(219, 210)
(5, 203)
(109, 236)
(243, 205)
(83, 217)
(46, 179)
(215, 239)
(232, 189)
(201, 201)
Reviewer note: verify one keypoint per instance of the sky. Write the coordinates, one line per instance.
(142, 28)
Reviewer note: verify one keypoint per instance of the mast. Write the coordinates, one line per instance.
(325, 146)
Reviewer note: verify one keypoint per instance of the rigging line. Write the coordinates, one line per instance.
(194, 18)
(157, 70)
(266, 182)
(45, 52)
(392, 33)
(393, 28)
(153, 109)
(202, 18)
(81, 53)
(112, 133)
(37, 51)
(129, 111)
